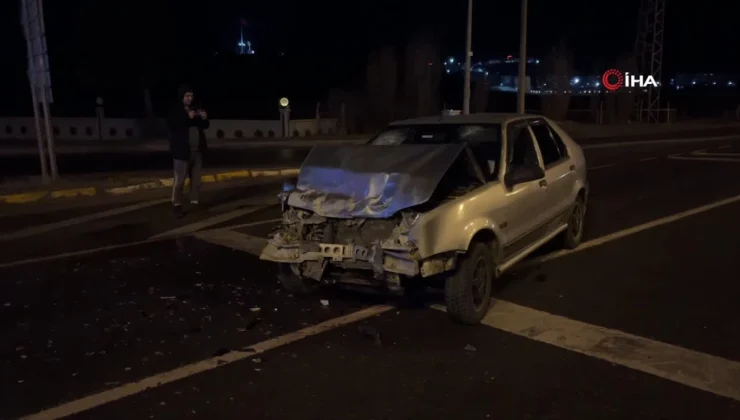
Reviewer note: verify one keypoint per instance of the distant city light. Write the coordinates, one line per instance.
(501, 73)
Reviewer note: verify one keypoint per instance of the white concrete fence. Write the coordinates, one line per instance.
(23, 128)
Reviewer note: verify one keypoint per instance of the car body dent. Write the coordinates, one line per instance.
(370, 181)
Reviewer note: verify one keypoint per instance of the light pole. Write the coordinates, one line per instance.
(468, 57)
(522, 91)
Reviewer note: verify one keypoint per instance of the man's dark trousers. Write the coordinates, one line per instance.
(185, 169)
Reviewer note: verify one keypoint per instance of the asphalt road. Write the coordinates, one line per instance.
(221, 156)
(640, 323)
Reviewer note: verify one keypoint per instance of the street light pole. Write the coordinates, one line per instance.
(522, 91)
(468, 57)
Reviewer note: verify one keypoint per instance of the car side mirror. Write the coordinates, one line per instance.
(523, 173)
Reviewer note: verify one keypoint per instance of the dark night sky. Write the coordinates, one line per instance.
(340, 33)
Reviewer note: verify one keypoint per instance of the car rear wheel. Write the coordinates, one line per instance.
(293, 282)
(574, 233)
(468, 290)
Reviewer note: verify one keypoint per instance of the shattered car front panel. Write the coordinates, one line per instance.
(381, 246)
(370, 181)
(355, 212)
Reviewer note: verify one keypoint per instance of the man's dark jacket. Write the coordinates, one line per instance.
(179, 125)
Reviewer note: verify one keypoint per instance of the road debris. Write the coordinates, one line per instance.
(370, 333)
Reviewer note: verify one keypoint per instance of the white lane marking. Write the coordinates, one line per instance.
(261, 201)
(127, 390)
(656, 142)
(721, 154)
(626, 232)
(648, 159)
(703, 159)
(235, 240)
(688, 367)
(35, 230)
(105, 248)
(726, 146)
(202, 224)
(594, 168)
(74, 253)
(261, 222)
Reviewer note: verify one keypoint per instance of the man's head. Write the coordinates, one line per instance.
(186, 94)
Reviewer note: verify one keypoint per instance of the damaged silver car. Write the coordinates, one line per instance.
(459, 199)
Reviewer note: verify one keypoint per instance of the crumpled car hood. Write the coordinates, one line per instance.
(370, 181)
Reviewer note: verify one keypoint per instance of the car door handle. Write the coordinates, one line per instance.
(572, 168)
(543, 183)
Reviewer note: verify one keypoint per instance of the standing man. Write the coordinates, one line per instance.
(187, 146)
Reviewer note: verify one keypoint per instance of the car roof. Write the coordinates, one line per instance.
(498, 118)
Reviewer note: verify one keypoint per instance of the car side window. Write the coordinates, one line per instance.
(486, 146)
(558, 141)
(521, 149)
(551, 153)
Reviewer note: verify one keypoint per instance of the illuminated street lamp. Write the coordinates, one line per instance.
(285, 116)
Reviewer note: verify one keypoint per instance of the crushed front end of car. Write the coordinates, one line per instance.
(350, 216)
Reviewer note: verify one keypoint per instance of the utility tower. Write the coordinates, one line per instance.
(649, 56)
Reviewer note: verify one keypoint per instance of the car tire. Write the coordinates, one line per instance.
(574, 232)
(293, 282)
(468, 290)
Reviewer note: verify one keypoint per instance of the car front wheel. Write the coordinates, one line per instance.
(574, 233)
(468, 290)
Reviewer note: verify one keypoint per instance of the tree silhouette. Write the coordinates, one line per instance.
(422, 76)
(559, 67)
(381, 86)
(480, 95)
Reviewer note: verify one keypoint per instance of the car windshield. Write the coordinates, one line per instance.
(484, 140)
(438, 134)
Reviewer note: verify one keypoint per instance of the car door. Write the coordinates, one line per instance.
(524, 202)
(559, 171)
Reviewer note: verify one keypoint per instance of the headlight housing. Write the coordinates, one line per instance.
(287, 188)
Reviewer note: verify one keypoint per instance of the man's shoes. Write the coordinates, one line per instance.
(178, 211)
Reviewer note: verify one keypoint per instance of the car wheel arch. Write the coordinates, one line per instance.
(486, 235)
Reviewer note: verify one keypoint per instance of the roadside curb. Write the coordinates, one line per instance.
(36, 196)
